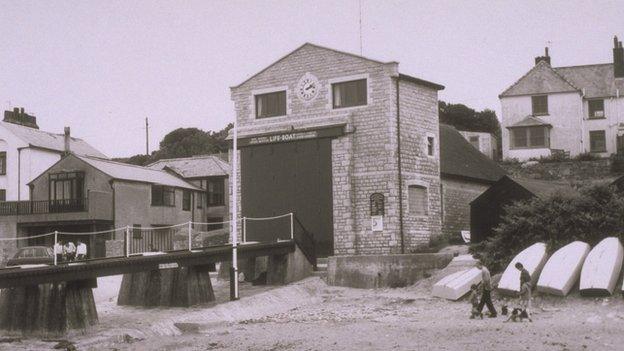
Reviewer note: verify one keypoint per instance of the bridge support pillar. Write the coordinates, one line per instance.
(288, 268)
(173, 287)
(48, 309)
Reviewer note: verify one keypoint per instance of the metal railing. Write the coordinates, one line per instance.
(304, 239)
(11, 208)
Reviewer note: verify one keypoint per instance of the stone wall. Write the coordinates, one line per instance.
(457, 195)
(573, 171)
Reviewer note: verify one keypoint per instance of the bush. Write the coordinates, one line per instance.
(591, 215)
(587, 156)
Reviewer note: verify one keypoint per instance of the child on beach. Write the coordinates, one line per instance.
(474, 301)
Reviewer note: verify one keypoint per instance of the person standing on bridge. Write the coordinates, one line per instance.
(58, 251)
(81, 250)
(70, 251)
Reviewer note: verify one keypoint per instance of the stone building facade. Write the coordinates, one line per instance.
(354, 107)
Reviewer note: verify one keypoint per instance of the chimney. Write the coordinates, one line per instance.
(67, 141)
(18, 116)
(543, 58)
(618, 58)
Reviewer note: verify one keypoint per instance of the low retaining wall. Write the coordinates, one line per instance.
(378, 271)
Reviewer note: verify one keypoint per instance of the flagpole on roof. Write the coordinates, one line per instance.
(234, 217)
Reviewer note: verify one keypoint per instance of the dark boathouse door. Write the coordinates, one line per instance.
(289, 177)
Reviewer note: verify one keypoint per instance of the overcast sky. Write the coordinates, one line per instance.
(101, 67)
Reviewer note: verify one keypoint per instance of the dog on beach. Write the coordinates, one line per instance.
(517, 315)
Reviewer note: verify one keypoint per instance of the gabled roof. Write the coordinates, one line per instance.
(459, 158)
(541, 79)
(595, 80)
(530, 121)
(401, 76)
(195, 167)
(50, 141)
(124, 171)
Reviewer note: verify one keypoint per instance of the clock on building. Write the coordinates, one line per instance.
(308, 87)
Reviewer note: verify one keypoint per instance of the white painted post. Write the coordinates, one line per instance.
(234, 271)
(55, 243)
(190, 227)
(292, 227)
(244, 229)
(127, 241)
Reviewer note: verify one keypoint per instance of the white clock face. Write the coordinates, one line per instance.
(308, 87)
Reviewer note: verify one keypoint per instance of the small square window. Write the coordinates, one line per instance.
(540, 105)
(348, 94)
(418, 201)
(474, 141)
(596, 108)
(271, 104)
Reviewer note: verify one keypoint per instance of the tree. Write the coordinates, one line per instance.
(185, 142)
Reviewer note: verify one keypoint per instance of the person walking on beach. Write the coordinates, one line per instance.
(525, 290)
(486, 298)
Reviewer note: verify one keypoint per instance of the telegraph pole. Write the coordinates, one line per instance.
(146, 137)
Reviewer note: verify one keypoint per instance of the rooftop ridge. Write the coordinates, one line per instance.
(120, 163)
(587, 65)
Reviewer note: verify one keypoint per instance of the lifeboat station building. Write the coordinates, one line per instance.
(348, 144)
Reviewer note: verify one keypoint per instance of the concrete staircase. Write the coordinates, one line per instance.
(321, 268)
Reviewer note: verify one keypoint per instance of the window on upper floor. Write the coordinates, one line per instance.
(349, 94)
(540, 105)
(271, 104)
(418, 201)
(2, 162)
(216, 192)
(529, 137)
(430, 146)
(474, 141)
(596, 108)
(163, 196)
(66, 186)
(597, 141)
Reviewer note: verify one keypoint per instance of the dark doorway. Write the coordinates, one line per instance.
(289, 177)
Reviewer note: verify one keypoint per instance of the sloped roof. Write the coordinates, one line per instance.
(459, 158)
(51, 141)
(124, 171)
(540, 79)
(530, 121)
(544, 188)
(402, 76)
(195, 167)
(597, 80)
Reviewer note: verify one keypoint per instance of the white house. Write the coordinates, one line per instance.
(482, 141)
(576, 109)
(26, 151)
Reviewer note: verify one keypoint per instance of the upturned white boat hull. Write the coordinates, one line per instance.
(563, 269)
(533, 259)
(456, 285)
(601, 268)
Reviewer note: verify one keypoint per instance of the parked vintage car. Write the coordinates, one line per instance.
(32, 255)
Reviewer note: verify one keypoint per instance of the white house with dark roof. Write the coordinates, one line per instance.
(576, 109)
(209, 172)
(26, 151)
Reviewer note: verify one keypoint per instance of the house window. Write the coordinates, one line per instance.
(2, 194)
(540, 105)
(66, 186)
(430, 146)
(348, 94)
(529, 137)
(136, 231)
(216, 191)
(2, 162)
(163, 196)
(201, 198)
(271, 104)
(474, 141)
(418, 202)
(597, 142)
(596, 108)
(186, 200)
